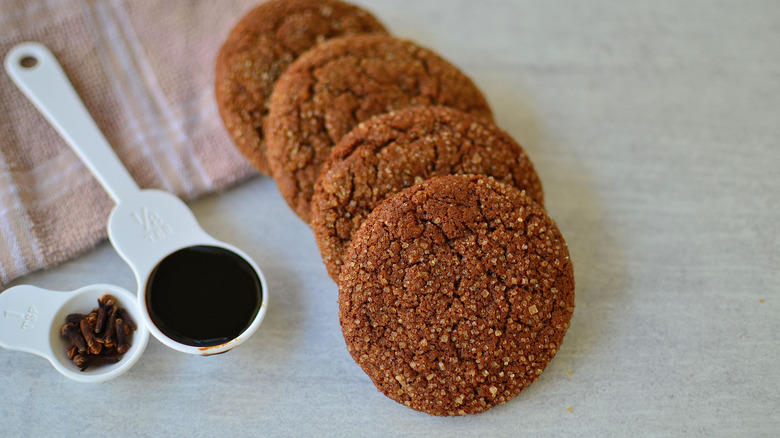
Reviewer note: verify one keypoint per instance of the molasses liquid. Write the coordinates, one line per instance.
(203, 295)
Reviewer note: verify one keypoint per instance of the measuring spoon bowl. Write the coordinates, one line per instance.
(31, 319)
(151, 226)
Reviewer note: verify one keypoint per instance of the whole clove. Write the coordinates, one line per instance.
(125, 315)
(84, 361)
(101, 318)
(71, 331)
(121, 340)
(88, 347)
(93, 346)
(105, 305)
(109, 340)
(75, 318)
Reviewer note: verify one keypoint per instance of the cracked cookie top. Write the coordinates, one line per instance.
(391, 152)
(334, 86)
(455, 294)
(260, 47)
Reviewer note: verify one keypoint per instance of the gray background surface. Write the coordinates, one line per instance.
(654, 127)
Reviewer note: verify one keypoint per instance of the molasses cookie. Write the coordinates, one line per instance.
(455, 294)
(391, 152)
(260, 48)
(328, 90)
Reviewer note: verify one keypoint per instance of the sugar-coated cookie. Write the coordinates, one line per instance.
(455, 294)
(260, 47)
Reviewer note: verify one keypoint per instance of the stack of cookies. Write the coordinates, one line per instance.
(455, 286)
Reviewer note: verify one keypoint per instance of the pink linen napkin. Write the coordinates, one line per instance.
(145, 70)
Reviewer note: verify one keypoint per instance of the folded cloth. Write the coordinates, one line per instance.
(145, 71)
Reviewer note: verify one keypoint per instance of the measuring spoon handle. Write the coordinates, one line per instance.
(36, 72)
(26, 315)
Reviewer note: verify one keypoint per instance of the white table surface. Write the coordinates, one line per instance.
(655, 127)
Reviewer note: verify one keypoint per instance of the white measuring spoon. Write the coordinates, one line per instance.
(154, 231)
(31, 319)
